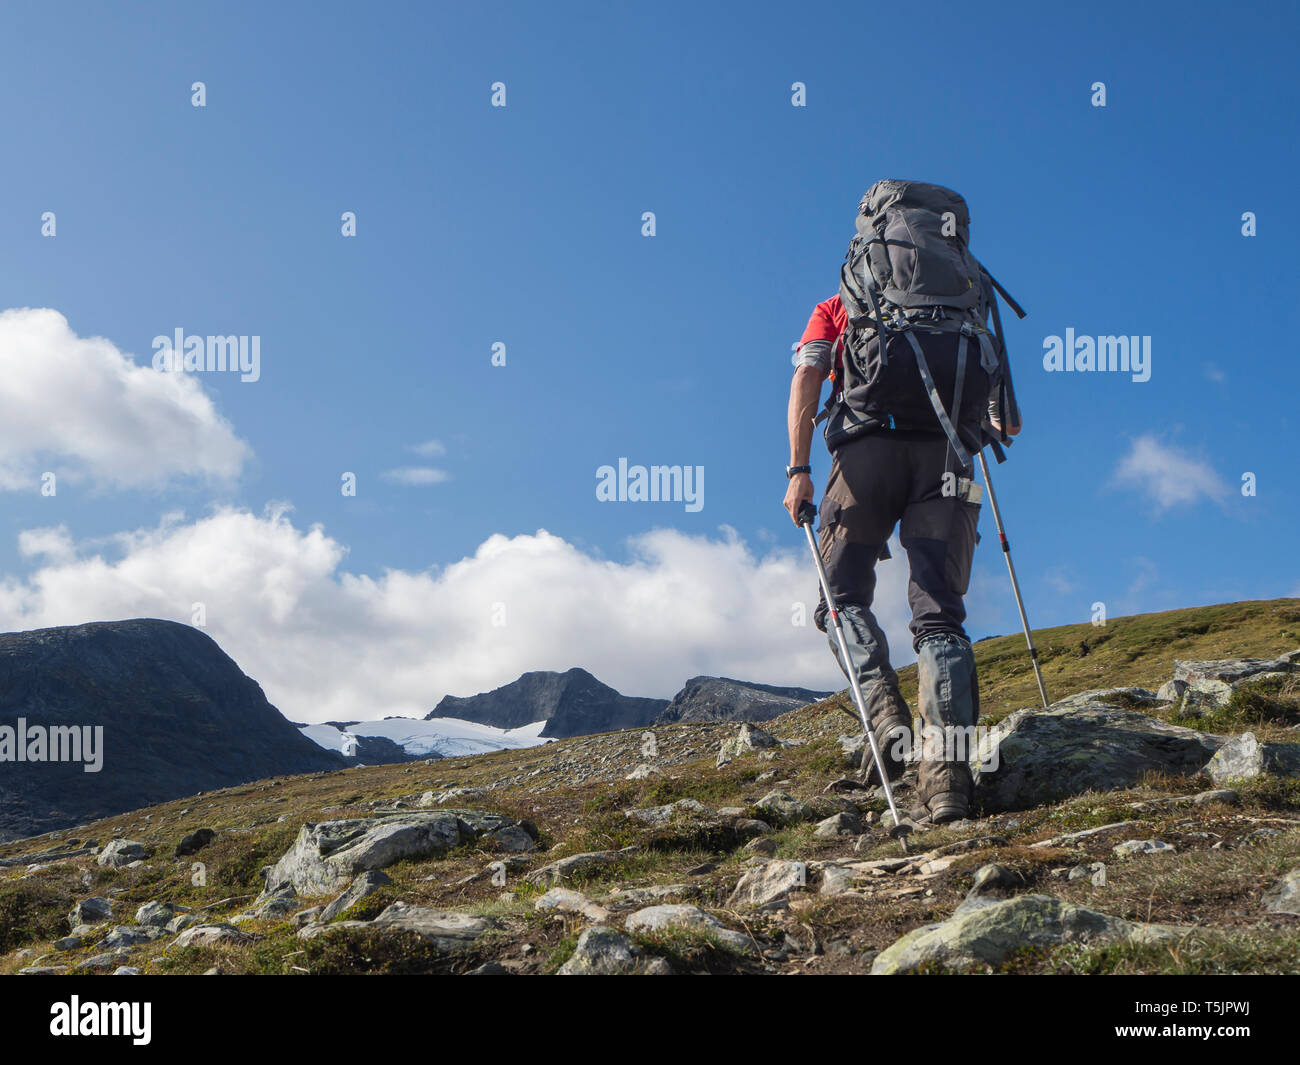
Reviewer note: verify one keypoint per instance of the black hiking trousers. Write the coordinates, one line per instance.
(890, 478)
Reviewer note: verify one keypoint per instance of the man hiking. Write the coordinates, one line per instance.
(920, 384)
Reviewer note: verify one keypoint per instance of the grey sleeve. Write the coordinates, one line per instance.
(815, 353)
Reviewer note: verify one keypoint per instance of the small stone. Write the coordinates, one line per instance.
(644, 771)
(769, 882)
(836, 880)
(92, 911)
(155, 914)
(784, 809)
(1224, 795)
(1142, 846)
(562, 900)
(1284, 896)
(193, 842)
(841, 824)
(121, 852)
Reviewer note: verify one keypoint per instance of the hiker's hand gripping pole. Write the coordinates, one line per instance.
(807, 515)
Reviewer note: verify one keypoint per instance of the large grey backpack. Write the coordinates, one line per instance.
(918, 352)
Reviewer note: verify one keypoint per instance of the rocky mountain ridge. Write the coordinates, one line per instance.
(175, 713)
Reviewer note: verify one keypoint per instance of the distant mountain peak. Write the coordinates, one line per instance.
(572, 703)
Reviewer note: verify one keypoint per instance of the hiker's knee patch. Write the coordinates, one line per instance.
(849, 558)
(952, 523)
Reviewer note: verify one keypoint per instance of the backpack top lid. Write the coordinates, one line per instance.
(916, 195)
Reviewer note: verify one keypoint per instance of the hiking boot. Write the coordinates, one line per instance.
(948, 806)
(891, 724)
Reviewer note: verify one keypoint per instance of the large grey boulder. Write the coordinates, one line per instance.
(1244, 758)
(445, 929)
(1039, 757)
(120, 852)
(363, 885)
(1284, 896)
(685, 918)
(989, 932)
(604, 951)
(326, 856)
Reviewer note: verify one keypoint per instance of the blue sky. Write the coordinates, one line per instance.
(523, 225)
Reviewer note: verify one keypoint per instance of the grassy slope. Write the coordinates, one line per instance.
(1216, 889)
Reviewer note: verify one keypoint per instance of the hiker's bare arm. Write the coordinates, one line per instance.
(805, 396)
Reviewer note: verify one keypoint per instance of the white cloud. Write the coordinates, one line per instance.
(416, 475)
(80, 408)
(429, 449)
(1168, 476)
(328, 644)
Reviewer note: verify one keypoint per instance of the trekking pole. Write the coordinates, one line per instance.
(1015, 584)
(902, 826)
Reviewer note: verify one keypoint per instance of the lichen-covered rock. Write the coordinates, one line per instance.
(563, 900)
(769, 882)
(558, 872)
(120, 852)
(204, 935)
(844, 823)
(662, 815)
(1038, 757)
(362, 886)
(785, 809)
(1142, 846)
(326, 856)
(604, 951)
(1232, 670)
(991, 931)
(1284, 896)
(94, 910)
(1244, 758)
(682, 917)
(749, 738)
(447, 930)
(155, 914)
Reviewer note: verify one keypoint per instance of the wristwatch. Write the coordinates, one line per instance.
(790, 471)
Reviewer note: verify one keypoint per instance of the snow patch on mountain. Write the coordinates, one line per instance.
(442, 736)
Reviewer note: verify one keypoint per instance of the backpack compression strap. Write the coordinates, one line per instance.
(958, 448)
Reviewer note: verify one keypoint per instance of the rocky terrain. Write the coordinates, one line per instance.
(573, 703)
(724, 699)
(177, 714)
(1148, 822)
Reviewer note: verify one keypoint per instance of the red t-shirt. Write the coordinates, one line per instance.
(828, 321)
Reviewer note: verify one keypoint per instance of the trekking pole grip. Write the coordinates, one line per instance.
(807, 513)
